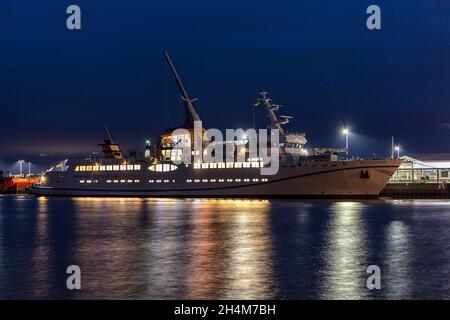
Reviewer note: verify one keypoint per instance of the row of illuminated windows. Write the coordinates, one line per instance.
(188, 180)
(160, 181)
(88, 181)
(122, 167)
(173, 154)
(226, 180)
(110, 181)
(162, 167)
(170, 141)
(221, 165)
(122, 181)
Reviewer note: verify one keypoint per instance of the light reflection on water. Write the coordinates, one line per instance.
(398, 254)
(345, 250)
(223, 249)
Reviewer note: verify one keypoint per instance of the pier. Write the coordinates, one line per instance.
(416, 190)
(420, 176)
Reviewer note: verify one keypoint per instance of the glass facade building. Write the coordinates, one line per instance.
(423, 169)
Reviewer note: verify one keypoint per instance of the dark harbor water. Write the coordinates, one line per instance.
(223, 249)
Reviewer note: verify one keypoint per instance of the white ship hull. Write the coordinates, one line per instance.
(325, 179)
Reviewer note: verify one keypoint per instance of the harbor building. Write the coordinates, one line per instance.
(420, 176)
(423, 168)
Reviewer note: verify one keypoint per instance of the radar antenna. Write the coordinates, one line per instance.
(271, 108)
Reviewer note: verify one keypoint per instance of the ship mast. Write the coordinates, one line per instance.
(275, 122)
(107, 132)
(190, 113)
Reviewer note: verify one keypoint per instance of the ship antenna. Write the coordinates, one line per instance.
(107, 132)
(190, 113)
(275, 122)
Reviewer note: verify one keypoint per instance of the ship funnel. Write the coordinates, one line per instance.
(190, 113)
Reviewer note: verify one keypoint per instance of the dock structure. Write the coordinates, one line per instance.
(416, 190)
(421, 176)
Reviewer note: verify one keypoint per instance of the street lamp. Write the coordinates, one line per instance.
(397, 148)
(345, 132)
(42, 155)
(20, 166)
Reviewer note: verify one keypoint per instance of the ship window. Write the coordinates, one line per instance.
(108, 181)
(77, 168)
(123, 167)
(89, 168)
(255, 180)
(189, 180)
(255, 164)
(122, 181)
(246, 164)
(238, 180)
(137, 167)
(158, 181)
(109, 168)
(116, 181)
(221, 165)
(102, 168)
(197, 165)
(82, 168)
(89, 181)
(264, 180)
(229, 180)
(136, 181)
(205, 180)
(166, 181)
(196, 180)
(129, 181)
(246, 180)
(130, 167)
(238, 165)
(81, 181)
(213, 180)
(204, 166)
(95, 168)
(151, 181)
(116, 168)
(176, 154)
(166, 154)
(213, 165)
(230, 164)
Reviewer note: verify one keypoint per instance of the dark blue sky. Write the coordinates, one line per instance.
(317, 58)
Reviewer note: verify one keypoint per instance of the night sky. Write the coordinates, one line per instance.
(316, 58)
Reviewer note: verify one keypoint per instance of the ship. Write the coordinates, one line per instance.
(302, 172)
